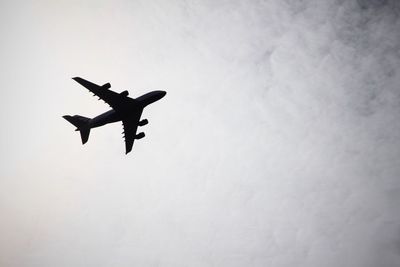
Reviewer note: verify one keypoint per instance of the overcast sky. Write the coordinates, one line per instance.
(276, 145)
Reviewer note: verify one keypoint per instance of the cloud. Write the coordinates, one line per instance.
(277, 144)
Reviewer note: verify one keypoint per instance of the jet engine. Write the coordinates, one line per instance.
(143, 122)
(106, 86)
(124, 93)
(140, 135)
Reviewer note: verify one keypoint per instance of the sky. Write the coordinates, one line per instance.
(277, 143)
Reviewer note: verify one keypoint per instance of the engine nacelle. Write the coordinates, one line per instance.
(140, 135)
(124, 93)
(143, 122)
(106, 86)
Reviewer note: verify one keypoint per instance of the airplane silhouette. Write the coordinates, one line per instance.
(124, 108)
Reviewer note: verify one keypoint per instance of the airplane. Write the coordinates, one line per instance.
(125, 109)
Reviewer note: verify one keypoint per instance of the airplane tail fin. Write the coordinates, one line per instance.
(82, 125)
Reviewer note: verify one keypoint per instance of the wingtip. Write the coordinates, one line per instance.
(127, 151)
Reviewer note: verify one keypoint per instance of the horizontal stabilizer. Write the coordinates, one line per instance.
(82, 125)
(84, 135)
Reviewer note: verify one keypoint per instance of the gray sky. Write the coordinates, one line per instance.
(276, 145)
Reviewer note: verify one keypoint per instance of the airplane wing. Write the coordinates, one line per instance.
(113, 99)
(130, 125)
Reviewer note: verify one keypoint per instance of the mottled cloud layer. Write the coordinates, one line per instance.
(277, 144)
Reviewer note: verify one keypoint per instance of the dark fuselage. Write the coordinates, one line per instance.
(114, 116)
